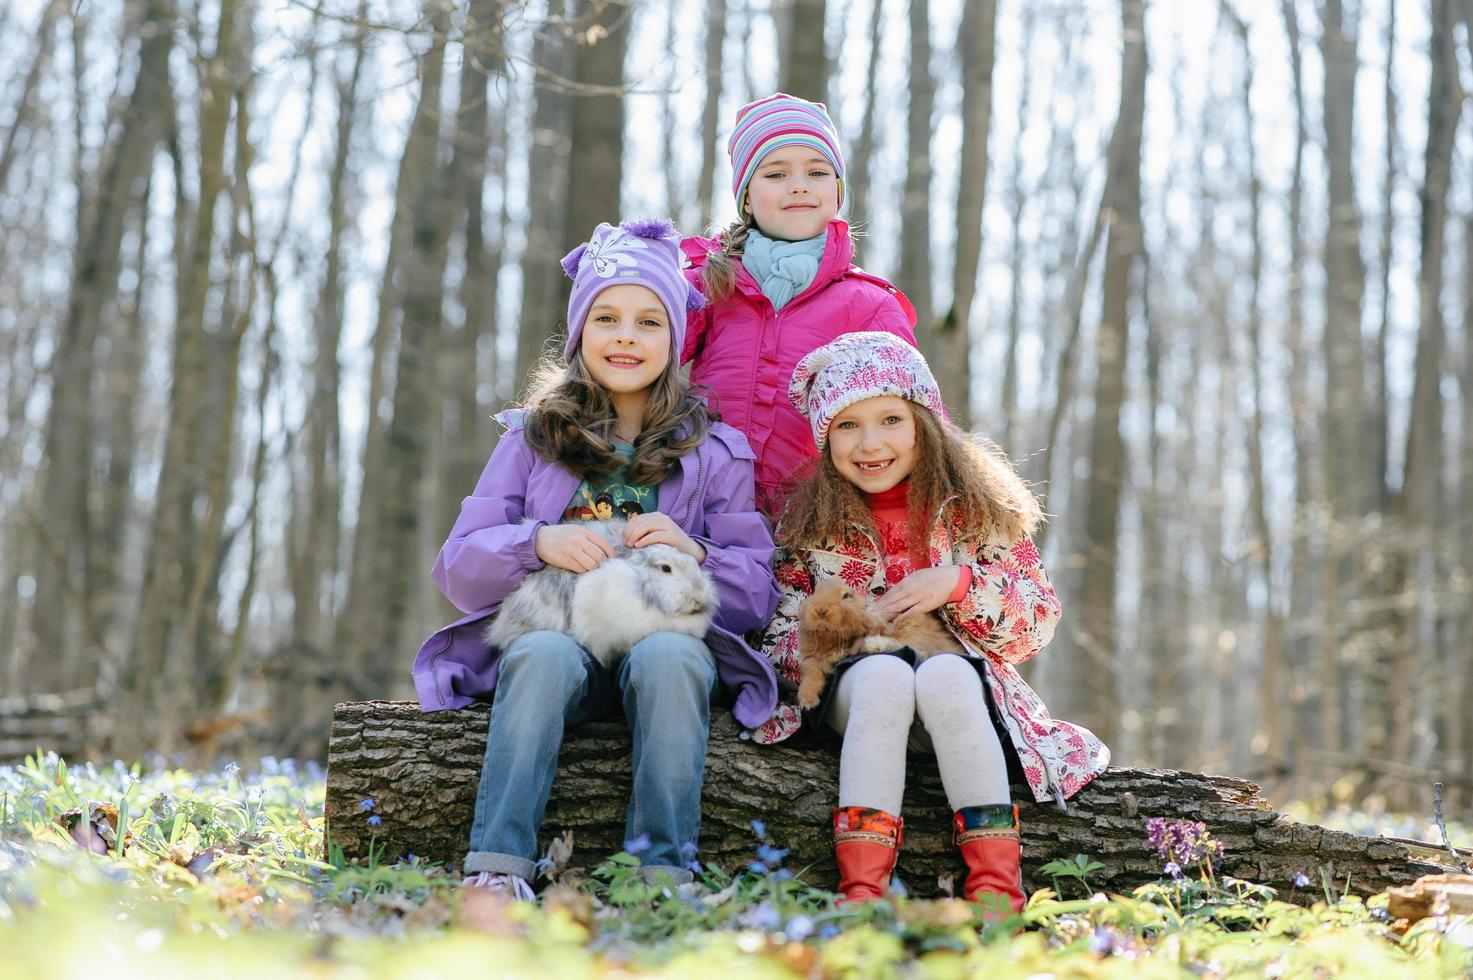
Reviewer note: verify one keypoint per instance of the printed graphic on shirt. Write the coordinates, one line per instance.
(601, 500)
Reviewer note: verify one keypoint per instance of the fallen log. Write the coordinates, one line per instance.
(421, 771)
(69, 723)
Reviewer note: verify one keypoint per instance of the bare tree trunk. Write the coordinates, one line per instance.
(173, 561)
(1460, 686)
(65, 527)
(1415, 507)
(1348, 474)
(1301, 592)
(596, 169)
(1380, 399)
(952, 343)
(914, 274)
(25, 106)
(547, 199)
(805, 63)
(711, 111)
(1107, 447)
(383, 606)
(1267, 743)
(1018, 198)
(857, 189)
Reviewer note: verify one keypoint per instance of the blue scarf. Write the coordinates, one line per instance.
(783, 269)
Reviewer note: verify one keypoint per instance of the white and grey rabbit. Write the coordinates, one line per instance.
(638, 592)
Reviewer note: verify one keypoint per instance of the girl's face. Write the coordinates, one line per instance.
(873, 442)
(793, 194)
(626, 339)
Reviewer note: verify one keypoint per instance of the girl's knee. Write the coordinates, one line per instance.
(670, 655)
(553, 654)
(945, 670)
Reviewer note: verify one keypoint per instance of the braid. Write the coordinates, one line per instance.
(719, 276)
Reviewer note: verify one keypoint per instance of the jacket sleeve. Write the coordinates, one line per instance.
(491, 547)
(780, 638)
(738, 543)
(1010, 609)
(891, 316)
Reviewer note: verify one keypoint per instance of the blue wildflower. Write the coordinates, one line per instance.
(366, 804)
(828, 932)
(694, 866)
(783, 874)
(799, 928)
(771, 855)
(1173, 869)
(757, 867)
(897, 888)
(637, 845)
(1301, 880)
(759, 827)
(688, 849)
(374, 820)
(1101, 941)
(765, 918)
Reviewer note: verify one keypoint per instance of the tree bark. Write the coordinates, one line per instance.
(914, 273)
(421, 772)
(952, 343)
(173, 562)
(711, 110)
(857, 188)
(65, 524)
(1107, 446)
(596, 169)
(805, 61)
(1415, 507)
(543, 294)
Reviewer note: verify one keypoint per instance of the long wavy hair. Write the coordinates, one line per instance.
(571, 420)
(977, 484)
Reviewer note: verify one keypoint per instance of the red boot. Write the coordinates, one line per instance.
(867, 845)
(988, 839)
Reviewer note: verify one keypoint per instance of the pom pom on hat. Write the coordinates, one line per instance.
(650, 227)
(572, 260)
(856, 366)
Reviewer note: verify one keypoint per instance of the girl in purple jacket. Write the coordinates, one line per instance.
(611, 426)
(781, 281)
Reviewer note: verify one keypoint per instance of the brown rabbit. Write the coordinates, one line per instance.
(836, 622)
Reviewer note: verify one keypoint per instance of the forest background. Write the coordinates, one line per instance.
(1202, 268)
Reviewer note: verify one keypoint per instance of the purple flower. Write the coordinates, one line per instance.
(768, 854)
(638, 845)
(1101, 941)
(688, 849)
(694, 867)
(1182, 842)
(799, 928)
(765, 917)
(374, 820)
(1173, 869)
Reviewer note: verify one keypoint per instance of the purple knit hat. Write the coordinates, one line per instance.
(776, 121)
(645, 253)
(857, 366)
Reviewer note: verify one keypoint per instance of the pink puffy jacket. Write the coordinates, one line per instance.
(745, 352)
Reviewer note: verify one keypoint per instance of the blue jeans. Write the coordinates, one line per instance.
(548, 682)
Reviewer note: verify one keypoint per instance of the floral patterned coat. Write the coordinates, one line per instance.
(1006, 617)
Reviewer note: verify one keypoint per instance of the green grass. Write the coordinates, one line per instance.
(223, 874)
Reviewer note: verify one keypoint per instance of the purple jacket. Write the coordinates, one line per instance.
(492, 545)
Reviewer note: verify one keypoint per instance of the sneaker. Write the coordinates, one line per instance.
(513, 887)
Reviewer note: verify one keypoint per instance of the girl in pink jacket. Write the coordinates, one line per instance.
(781, 282)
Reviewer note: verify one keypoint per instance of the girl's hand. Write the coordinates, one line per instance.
(920, 591)
(644, 530)
(572, 547)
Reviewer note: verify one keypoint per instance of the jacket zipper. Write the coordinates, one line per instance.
(435, 673)
(690, 500)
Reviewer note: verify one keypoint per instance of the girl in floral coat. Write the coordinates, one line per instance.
(907, 509)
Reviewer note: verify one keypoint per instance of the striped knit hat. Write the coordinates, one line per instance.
(776, 121)
(642, 253)
(865, 364)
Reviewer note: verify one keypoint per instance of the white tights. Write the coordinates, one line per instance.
(881, 698)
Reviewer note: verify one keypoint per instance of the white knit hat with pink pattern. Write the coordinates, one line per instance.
(855, 367)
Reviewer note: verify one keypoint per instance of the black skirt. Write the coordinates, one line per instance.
(816, 718)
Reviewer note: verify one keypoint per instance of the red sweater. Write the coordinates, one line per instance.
(892, 521)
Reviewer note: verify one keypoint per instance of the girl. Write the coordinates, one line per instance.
(615, 419)
(781, 282)
(905, 507)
